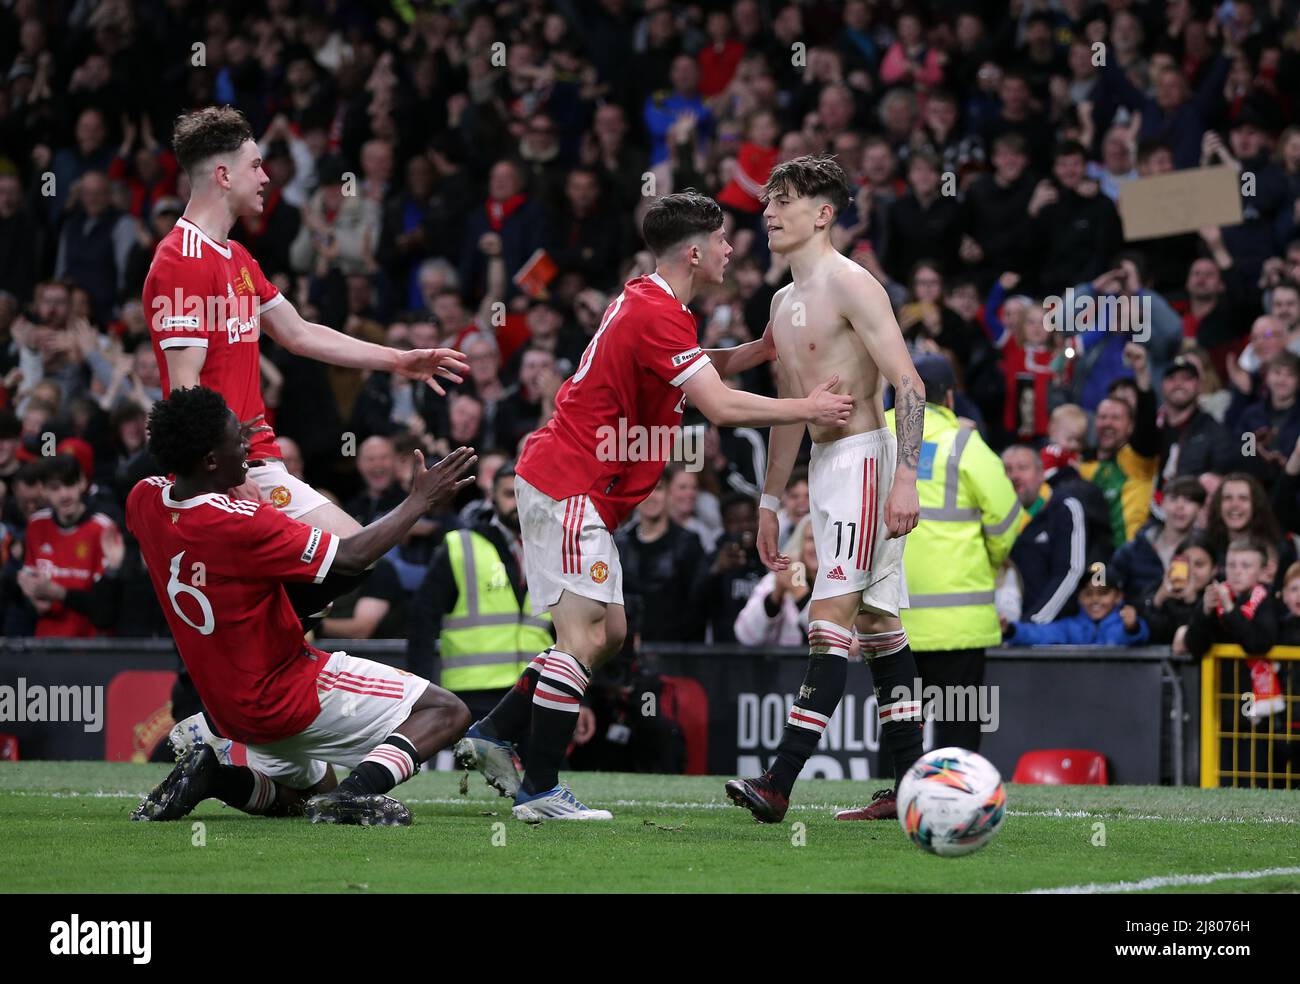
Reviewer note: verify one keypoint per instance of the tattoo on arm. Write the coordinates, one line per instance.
(909, 418)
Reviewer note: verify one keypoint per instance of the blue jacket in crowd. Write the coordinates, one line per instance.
(1079, 630)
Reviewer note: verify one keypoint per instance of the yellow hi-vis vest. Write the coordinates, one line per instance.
(488, 638)
(969, 514)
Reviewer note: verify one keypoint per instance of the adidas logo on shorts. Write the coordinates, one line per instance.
(836, 575)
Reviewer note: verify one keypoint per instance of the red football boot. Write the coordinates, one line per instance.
(883, 806)
(767, 803)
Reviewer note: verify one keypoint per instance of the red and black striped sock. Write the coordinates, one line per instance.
(392, 761)
(822, 690)
(894, 675)
(511, 717)
(556, 700)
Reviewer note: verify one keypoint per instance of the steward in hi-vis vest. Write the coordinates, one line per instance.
(474, 605)
(969, 520)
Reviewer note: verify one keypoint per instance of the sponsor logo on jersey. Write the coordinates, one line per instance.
(176, 517)
(180, 322)
(681, 358)
(280, 497)
(600, 572)
(836, 575)
(312, 543)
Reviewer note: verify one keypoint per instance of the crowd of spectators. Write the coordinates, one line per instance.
(421, 155)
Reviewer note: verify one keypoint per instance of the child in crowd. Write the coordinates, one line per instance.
(1067, 430)
(1241, 610)
(1169, 606)
(1143, 561)
(1103, 619)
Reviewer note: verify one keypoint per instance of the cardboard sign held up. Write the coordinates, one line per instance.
(1181, 201)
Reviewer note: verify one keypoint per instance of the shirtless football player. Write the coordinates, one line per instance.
(836, 317)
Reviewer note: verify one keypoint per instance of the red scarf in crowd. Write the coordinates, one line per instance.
(498, 212)
(1264, 683)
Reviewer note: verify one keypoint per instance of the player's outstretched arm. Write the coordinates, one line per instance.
(727, 407)
(320, 342)
(866, 305)
(431, 488)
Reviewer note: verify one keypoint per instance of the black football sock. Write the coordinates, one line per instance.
(556, 699)
(245, 789)
(236, 784)
(392, 761)
(823, 687)
(894, 674)
(510, 719)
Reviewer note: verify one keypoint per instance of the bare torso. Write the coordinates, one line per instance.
(814, 340)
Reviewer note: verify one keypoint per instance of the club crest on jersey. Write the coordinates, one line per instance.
(82, 551)
(280, 497)
(244, 282)
(600, 572)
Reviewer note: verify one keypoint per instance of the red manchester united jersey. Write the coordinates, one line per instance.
(73, 558)
(218, 566)
(617, 415)
(200, 293)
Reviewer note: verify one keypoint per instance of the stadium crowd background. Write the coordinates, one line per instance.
(420, 155)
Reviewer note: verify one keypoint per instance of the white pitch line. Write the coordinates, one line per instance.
(1164, 881)
(717, 805)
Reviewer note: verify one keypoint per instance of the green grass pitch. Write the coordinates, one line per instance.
(64, 828)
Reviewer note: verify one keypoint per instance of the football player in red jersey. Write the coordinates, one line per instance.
(67, 551)
(600, 454)
(208, 300)
(219, 566)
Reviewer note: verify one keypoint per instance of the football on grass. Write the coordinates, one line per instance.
(951, 802)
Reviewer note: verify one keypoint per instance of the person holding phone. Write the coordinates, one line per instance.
(1141, 563)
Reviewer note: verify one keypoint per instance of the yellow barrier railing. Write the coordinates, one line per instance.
(1261, 749)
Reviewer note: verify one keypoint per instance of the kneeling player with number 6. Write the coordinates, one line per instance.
(219, 566)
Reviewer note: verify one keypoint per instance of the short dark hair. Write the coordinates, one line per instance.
(507, 470)
(1197, 540)
(62, 469)
(734, 499)
(811, 177)
(673, 219)
(1012, 142)
(1148, 147)
(1186, 487)
(1069, 148)
(207, 132)
(30, 473)
(1285, 360)
(186, 426)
